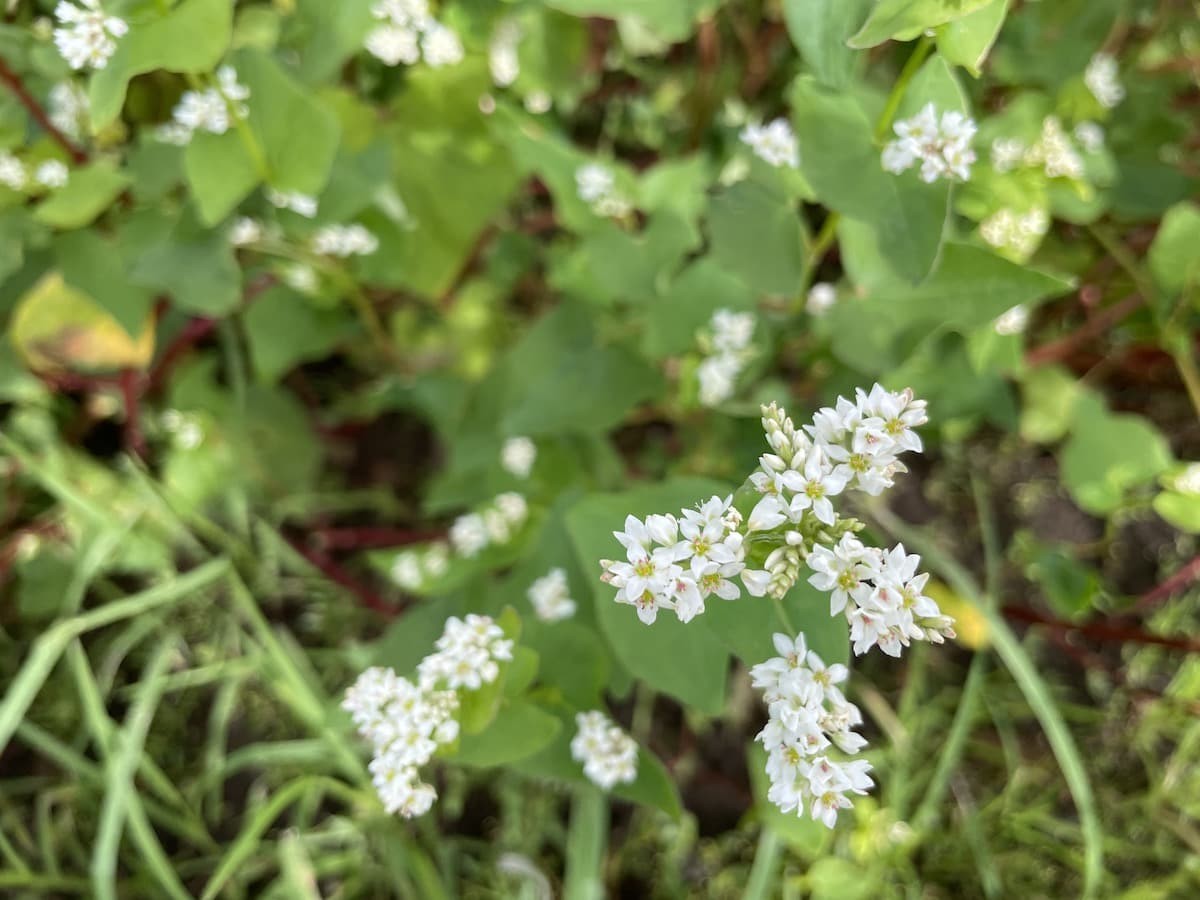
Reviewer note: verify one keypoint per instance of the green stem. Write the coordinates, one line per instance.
(784, 617)
(896, 97)
(586, 841)
(766, 861)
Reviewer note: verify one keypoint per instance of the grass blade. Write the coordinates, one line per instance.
(586, 841)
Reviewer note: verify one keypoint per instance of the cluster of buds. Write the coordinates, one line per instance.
(728, 339)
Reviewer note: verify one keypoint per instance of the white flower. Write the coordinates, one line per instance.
(441, 47)
(730, 334)
(85, 33)
(53, 173)
(842, 571)
(539, 101)
(807, 714)
(244, 231)
(394, 44)
(208, 110)
(608, 754)
(942, 147)
(344, 241)
(821, 298)
(1102, 78)
(814, 485)
(731, 331)
(1090, 136)
(1019, 234)
(550, 596)
(717, 376)
(597, 187)
(468, 654)
(1054, 152)
(518, 456)
(512, 506)
(1007, 154)
(406, 570)
(503, 61)
(301, 204)
(1012, 321)
(12, 172)
(68, 108)
(300, 277)
(1188, 481)
(774, 143)
(469, 534)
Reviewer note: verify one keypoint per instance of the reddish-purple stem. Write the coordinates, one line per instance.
(17, 86)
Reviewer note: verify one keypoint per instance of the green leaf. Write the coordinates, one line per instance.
(284, 329)
(195, 267)
(191, 38)
(819, 29)
(1174, 260)
(559, 378)
(1181, 510)
(519, 730)
(755, 235)
(669, 20)
(94, 265)
(841, 161)
(1048, 398)
(966, 41)
(220, 173)
(904, 20)
(572, 660)
(687, 306)
(971, 287)
(686, 661)
(1108, 454)
(90, 192)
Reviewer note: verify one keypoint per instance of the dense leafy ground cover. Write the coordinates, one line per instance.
(328, 325)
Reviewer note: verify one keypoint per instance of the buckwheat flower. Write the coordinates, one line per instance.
(1102, 78)
(717, 376)
(1054, 152)
(775, 143)
(1090, 136)
(842, 571)
(1012, 321)
(732, 330)
(468, 654)
(512, 506)
(503, 61)
(821, 298)
(942, 146)
(53, 173)
(406, 571)
(394, 44)
(469, 535)
(597, 187)
(344, 241)
(12, 172)
(1007, 154)
(68, 108)
(538, 102)
(85, 36)
(813, 486)
(1188, 481)
(245, 231)
(300, 277)
(300, 204)
(518, 456)
(173, 133)
(441, 47)
(608, 754)
(437, 559)
(550, 596)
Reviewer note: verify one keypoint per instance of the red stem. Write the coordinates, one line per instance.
(132, 385)
(335, 573)
(1094, 327)
(1177, 582)
(370, 538)
(1102, 631)
(17, 86)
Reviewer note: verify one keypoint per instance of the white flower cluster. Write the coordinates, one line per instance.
(708, 544)
(85, 33)
(1188, 481)
(207, 110)
(943, 148)
(408, 31)
(1102, 78)
(807, 715)
(821, 298)
(245, 231)
(518, 456)
(413, 568)
(1013, 320)
(608, 754)
(496, 523)
(53, 173)
(300, 204)
(1054, 152)
(730, 336)
(550, 596)
(1090, 136)
(880, 593)
(68, 108)
(775, 143)
(597, 187)
(344, 240)
(12, 172)
(1016, 232)
(503, 60)
(407, 722)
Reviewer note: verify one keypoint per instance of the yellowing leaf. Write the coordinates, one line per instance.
(56, 327)
(969, 622)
